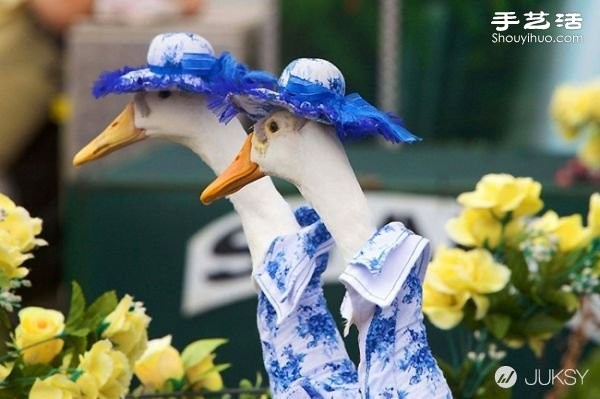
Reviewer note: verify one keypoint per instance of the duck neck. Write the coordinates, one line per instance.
(263, 211)
(331, 187)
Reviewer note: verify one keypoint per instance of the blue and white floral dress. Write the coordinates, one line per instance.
(303, 351)
(384, 299)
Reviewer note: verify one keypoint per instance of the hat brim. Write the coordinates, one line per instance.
(130, 80)
(259, 103)
(352, 116)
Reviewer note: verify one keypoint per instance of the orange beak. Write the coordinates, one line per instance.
(120, 133)
(241, 172)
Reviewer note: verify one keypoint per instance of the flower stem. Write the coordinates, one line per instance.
(11, 355)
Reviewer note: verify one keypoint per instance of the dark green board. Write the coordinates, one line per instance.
(127, 228)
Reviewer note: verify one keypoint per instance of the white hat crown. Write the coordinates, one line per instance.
(316, 71)
(168, 49)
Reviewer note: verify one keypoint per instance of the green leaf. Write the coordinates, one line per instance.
(246, 384)
(198, 350)
(36, 370)
(76, 309)
(99, 309)
(4, 279)
(215, 369)
(498, 324)
(78, 332)
(4, 320)
(567, 301)
(76, 345)
(259, 380)
(539, 324)
(519, 275)
(9, 393)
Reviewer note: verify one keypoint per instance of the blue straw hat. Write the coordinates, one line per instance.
(186, 62)
(315, 89)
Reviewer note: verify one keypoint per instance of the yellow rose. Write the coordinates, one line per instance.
(159, 364)
(571, 108)
(57, 386)
(464, 275)
(589, 152)
(109, 369)
(568, 231)
(5, 370)
(593, 221)
(475, 227)
(36, 331)
(118, 384)
(199, 376)
(17, 228)
(97, 362)
(127, 328)
(11, 260)
(502, 193)
(443, 310)
(86, 384)
(198, 361)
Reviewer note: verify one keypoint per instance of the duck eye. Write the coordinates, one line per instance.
(164, 94)
(273, 127)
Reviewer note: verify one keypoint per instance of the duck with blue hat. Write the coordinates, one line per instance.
(300, 129)
(303, 351)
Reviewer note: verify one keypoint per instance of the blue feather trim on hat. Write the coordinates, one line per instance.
(226, 75)
(314, 89)
(186, 62)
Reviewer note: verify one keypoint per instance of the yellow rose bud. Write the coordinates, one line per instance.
(454, 276)
(86, 384)
(11, 260)
(97, 362)
(199, 378)
(589, 152)
(571, 108)
(568, 231)
(198, 360)
(571, 233)
(593, 221)
(109, 369)
(57, 386)
(474, 227)
(443, 310)
(159, 364)
(117, 385)
(17, 228)
(127, 328)
(36, 334)
(502, 193)
(5, 370)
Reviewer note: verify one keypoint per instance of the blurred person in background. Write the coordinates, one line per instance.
(30, 69)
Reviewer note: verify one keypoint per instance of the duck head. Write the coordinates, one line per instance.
(169, 95)
(285, 146)
(173, 115)
(284, 143)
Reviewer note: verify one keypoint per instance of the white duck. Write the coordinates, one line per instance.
(295, 140)
(184, 118)
(269, 224)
